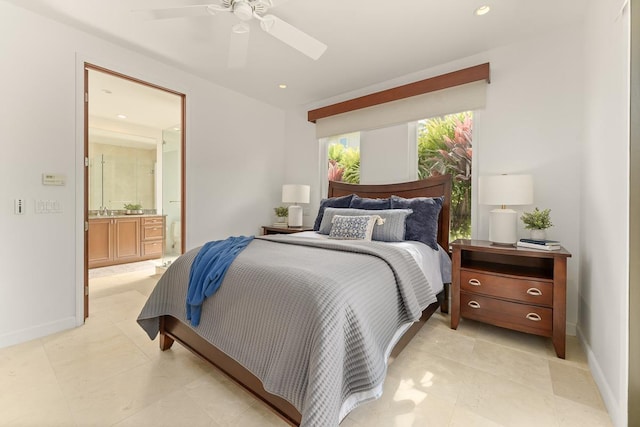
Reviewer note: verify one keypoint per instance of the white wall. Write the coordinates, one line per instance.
(603, 297)
(234, 171)
(532, 124)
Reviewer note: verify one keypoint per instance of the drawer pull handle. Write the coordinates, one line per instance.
(473, 304)
(534, 316)
(474, 282)
(534, 291)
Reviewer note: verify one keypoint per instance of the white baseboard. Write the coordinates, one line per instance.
(571, 329)
(39, 331)
(617, 410)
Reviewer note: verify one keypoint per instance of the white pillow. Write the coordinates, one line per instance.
(354, 227)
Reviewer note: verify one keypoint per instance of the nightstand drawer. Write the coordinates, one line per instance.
(521, 317)
(517, 289)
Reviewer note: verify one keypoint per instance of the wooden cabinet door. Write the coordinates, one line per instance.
(126, 238)
(100, 247)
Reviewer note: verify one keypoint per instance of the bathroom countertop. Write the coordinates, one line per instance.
(124, 216)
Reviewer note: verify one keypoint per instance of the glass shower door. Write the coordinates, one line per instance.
(171, 193)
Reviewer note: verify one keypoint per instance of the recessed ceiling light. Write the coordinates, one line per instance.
(282, 86)
(176, 128)
(482, 10)
(107, 91)
(121, 116)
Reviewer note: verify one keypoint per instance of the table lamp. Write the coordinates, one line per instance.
(504, 190)
(294, 193)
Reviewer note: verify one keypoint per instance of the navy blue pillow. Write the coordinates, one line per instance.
(333, 202)
(371, 204)
(422, 224)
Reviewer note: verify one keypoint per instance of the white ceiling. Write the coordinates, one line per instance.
(368, 41)
(111, 96)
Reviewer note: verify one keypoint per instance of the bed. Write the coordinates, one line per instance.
(172, 327)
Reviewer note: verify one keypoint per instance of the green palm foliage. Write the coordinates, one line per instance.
(344, 164)
(445, 147)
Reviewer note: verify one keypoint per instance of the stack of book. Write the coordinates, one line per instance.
(545, 245)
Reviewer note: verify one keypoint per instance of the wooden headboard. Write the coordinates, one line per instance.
(430, 187)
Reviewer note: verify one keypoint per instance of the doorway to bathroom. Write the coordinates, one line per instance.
(134, 176)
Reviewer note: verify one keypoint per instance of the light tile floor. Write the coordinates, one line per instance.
(108, 373)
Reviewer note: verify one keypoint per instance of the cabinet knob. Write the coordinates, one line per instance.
(534, 316)
(474, 282)
(534, 291)
(473, 304)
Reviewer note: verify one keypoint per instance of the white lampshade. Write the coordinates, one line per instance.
(294, 193)
(505, 190)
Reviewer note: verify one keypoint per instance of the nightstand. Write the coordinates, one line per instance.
(515, 288)
(269, 229)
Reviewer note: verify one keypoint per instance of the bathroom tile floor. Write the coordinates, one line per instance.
(109, 373)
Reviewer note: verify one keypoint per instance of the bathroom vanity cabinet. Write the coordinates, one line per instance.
(124, 239)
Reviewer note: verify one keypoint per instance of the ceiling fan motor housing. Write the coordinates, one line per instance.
(243, 10)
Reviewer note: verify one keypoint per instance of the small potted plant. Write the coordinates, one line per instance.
(133, 208)
(537, 221)
(282, 212)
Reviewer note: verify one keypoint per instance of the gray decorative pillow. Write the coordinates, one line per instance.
(392, 230)
(422, 224)
(353, 227)
(333, 202)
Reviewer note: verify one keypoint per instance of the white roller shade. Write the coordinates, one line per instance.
(470, 96)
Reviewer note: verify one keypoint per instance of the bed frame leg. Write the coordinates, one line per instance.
(444, 303)
(165, 340)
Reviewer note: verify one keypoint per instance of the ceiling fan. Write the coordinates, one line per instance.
(245, 11)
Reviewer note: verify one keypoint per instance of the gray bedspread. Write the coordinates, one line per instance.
(313, 319)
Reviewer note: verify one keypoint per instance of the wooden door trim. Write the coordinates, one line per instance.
(183, 164)
(85, 223)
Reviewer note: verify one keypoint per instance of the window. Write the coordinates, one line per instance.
(344, 158)
(443, 145)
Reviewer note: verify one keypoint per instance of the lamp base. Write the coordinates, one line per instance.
(295, 216)
(502, 226)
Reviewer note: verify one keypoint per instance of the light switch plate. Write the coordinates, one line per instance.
(18, 206)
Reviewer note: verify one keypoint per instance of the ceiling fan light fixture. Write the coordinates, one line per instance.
(261, 6)
(241, 28)
(243, 10)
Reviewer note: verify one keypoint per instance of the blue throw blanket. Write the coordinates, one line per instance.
(208, 270)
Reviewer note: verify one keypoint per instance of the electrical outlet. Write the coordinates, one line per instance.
(18, 206)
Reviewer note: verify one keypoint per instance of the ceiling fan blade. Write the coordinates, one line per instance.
(183, 12)
(238, 45)
(292, 36)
